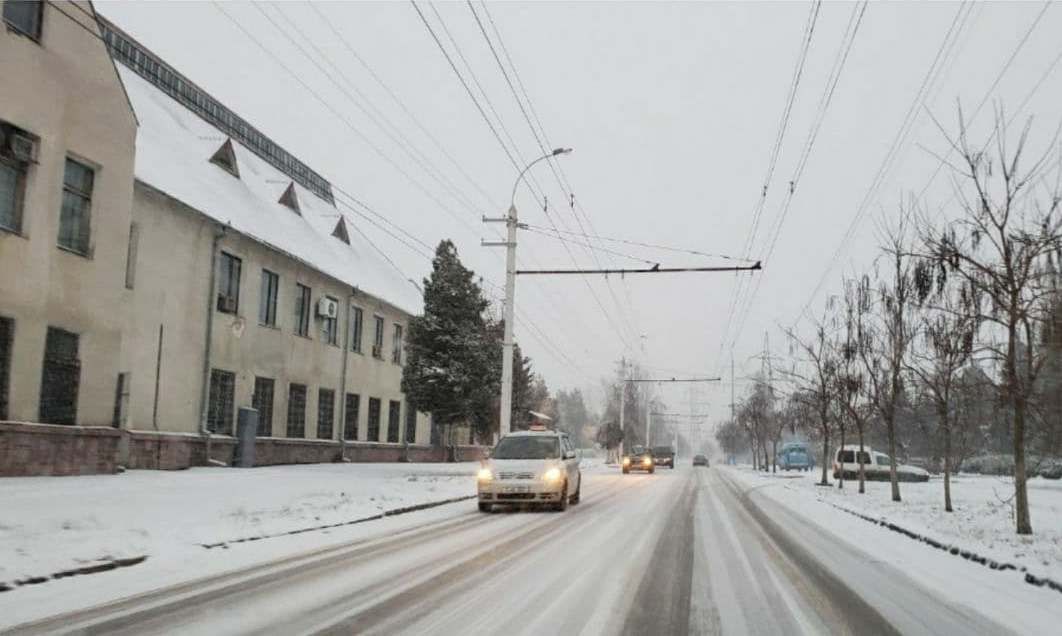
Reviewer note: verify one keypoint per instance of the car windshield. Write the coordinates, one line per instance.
(527, 447)
(637, 450)
(662, 450)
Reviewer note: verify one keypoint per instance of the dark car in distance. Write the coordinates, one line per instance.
(664, 456)
(700, 460)
(638, 458)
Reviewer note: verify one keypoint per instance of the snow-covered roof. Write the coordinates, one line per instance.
(173, 151)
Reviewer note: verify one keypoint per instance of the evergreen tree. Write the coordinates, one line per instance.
(451, 370)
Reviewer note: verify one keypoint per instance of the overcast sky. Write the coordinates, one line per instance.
(672, 109)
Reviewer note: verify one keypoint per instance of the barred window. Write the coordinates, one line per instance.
(326, 410)
(60, 377)
(222, 401)
(350, 421)
(411, 424)
(374, 419)
(262, 401)
(394, 411)
(296, 410)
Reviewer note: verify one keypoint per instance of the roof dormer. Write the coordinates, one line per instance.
(225, 158)
(341, 231)
(291, 199)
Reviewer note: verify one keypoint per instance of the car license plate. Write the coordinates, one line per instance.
(509, 490)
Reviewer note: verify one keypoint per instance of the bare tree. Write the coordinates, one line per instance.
(949, 325)
(851, 395)
(815, 384)
(885, 336)
(1000, 245)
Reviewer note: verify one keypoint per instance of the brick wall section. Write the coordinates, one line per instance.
(269, 451)
(49, 449)
(168, 451)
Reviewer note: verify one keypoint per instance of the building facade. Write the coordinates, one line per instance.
(164, 263)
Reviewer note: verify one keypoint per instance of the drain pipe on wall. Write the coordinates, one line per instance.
(204, 406)
(343, 381)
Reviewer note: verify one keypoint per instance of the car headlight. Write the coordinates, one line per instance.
(647, 461)
(553, 474)
(626, 461)
(484, 474)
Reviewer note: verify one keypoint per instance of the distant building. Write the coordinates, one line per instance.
(137, 355)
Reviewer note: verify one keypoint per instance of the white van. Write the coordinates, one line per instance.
(875, 465)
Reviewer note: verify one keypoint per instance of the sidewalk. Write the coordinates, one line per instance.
(55, 524)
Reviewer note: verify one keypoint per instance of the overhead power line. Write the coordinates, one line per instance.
(646, 270)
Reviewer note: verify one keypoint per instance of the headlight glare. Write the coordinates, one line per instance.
(647, 461)
(553, 474)
(484, 474)
(626, 461)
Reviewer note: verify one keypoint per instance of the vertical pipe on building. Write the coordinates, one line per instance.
(343, 382)
(155, 402)
(219, 232)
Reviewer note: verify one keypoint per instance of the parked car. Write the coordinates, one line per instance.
(796, 456)
(875, 465)
(533, 467)
(638, 458)
(700, 460)
(664, 456)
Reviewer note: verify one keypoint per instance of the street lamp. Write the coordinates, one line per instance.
(510, 292)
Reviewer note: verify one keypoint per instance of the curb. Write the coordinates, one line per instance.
(386, 513)
(105, 566)
(969, 555)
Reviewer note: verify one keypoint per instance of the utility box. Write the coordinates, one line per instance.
(246, 431)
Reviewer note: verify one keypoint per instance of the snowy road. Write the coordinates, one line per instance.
(683, 551)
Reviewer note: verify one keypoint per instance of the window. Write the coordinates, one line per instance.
(396, 345)
(74, 217)
(229, 283)
(267, 299)
(296, 410)
(12, 191)
(350, 421)
(374, 419)
(302, 310)
(326, 413)
(7, 333)
(330, 326)
(411, 424)
(121, 401)
(377, 338)
(221, 401)
(24, 16)
(130, 255)
(262, 401)
(60, 378)
(355, 329)
(393, 414)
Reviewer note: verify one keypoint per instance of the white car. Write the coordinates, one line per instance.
(538, 467)
(875, 465)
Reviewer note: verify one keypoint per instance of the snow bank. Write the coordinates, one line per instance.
(54, 524)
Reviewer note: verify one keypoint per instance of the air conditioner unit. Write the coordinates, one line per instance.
(227, 304)
(22, 148)
(377, 351)
(327, 308)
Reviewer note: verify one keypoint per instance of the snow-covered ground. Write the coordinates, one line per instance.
(52, 524)
(982, 522)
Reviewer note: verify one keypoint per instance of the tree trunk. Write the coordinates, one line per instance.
(840, 478)
(890, 426)
(825, 455)
(1021, 493)
(947, 468)
(862, 466)
(774, 456)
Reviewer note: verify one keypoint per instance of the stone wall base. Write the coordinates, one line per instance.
(46, 449)
(28, 450)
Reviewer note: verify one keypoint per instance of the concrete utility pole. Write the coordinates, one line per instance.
(511, 224)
